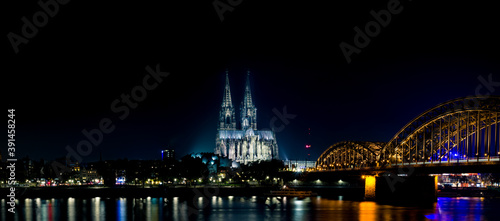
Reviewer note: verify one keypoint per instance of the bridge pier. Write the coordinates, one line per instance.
(396, 188)
(370, 187)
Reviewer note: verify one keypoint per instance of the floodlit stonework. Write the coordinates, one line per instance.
(247, 144)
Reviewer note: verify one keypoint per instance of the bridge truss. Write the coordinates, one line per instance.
(457, 131)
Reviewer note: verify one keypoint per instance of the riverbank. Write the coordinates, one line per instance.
(140, 192)
(135, 192)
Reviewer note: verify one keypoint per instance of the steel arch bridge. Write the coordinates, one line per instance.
(457, 131)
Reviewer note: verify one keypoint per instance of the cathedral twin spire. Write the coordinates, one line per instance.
(227, 119)
(248, 111)
(227, 94)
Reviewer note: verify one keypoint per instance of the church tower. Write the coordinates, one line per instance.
(248, 110)
(227, 119)
(245, 144)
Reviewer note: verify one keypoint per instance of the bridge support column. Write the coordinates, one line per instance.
(370, 187)
(411, 189)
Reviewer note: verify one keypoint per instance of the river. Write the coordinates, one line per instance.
(248, 208)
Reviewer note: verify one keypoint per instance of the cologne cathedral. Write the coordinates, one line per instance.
(246, 144)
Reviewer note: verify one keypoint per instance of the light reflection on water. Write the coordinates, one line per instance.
(246, 208)
(466, 208)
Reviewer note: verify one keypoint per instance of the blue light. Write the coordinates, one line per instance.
(432, 216)
(120, 181)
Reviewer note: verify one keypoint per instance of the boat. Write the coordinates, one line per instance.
(290, 192)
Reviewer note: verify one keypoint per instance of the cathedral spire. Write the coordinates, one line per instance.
(248, 93)
(248, 110)
(227, 119)
(227, 102)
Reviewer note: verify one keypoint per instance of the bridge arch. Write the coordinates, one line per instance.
(462, 129)
(350, 154)
(459, 130)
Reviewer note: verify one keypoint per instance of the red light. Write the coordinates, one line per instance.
(308, 146)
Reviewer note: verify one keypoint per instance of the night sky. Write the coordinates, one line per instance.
(66, 77)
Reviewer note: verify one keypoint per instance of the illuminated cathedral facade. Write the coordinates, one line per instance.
(246, 144)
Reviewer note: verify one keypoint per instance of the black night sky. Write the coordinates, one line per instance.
(66, 77)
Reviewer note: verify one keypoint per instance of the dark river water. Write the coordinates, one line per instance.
(248, 208)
